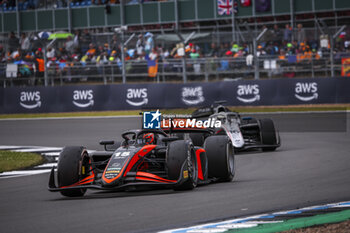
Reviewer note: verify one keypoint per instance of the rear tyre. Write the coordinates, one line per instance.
(178, 153)
(197, 139)
(268, 134)
(69, 169)
(221, 158)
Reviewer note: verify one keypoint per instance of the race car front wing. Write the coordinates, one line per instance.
(132, 180)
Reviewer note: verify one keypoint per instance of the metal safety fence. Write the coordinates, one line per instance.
(170, 70)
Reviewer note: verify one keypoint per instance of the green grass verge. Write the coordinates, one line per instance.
(10, 160)
(294, 108)
(298, 223)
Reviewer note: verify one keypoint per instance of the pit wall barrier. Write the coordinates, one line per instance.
(80, 98)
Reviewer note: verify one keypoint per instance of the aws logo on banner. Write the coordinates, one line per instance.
(137, 96)
(192, 95)
(248, 93)
(30, 99)
(306, 91)
(83, 98)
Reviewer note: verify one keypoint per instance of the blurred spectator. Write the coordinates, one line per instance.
(235, 47)
(17, 54)
(92, 50)
(260, 51)
(85, 40)
(69, 44)
(222, 50)
(140, 46)
(153, 55)
(149, 45)
(102, 58)
(300, 34)
(13, 42)
(114, 43)
(287, 33)
(159, 50)
(50, 53)
(290, 49)
(39, 64)
(25, 42)
(277, 34)
(214, 51)
(194, 54)
(225, 61)
(249, 60)
(282, 55)
(76, 39)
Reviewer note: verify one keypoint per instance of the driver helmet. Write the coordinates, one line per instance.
(221, 109)
(149, 138)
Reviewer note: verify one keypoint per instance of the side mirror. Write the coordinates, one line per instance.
(105, 143)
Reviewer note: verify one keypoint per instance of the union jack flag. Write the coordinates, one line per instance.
(225, 7)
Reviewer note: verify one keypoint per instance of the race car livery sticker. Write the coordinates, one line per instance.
(185, 174)
(151, 120)
(117, 162)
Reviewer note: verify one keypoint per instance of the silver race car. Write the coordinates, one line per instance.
(244, 132)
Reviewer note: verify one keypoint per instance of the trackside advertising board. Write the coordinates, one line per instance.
(166, 95)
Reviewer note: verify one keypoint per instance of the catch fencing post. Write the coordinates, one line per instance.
(256, 58)
(332, 48)
(332, 38)
(122, 30)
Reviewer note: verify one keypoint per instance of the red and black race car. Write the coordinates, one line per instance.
(146, 158)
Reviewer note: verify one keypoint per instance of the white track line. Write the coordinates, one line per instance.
(13, 174)
(43, 168)
(46, 165)
(12, 147)
(38, 150)
(4, 147)
(51, 154)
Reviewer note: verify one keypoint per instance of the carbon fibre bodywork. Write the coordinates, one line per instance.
(134, 164)
(245, 133)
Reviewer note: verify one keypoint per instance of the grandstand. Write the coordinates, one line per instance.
(84, 41)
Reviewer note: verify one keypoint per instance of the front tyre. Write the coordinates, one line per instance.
(178, 153)
(268, 134)
(69, 169)
(221, 158)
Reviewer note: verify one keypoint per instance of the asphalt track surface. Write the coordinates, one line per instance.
(311, 167)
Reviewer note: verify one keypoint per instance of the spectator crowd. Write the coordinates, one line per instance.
(82, 50)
